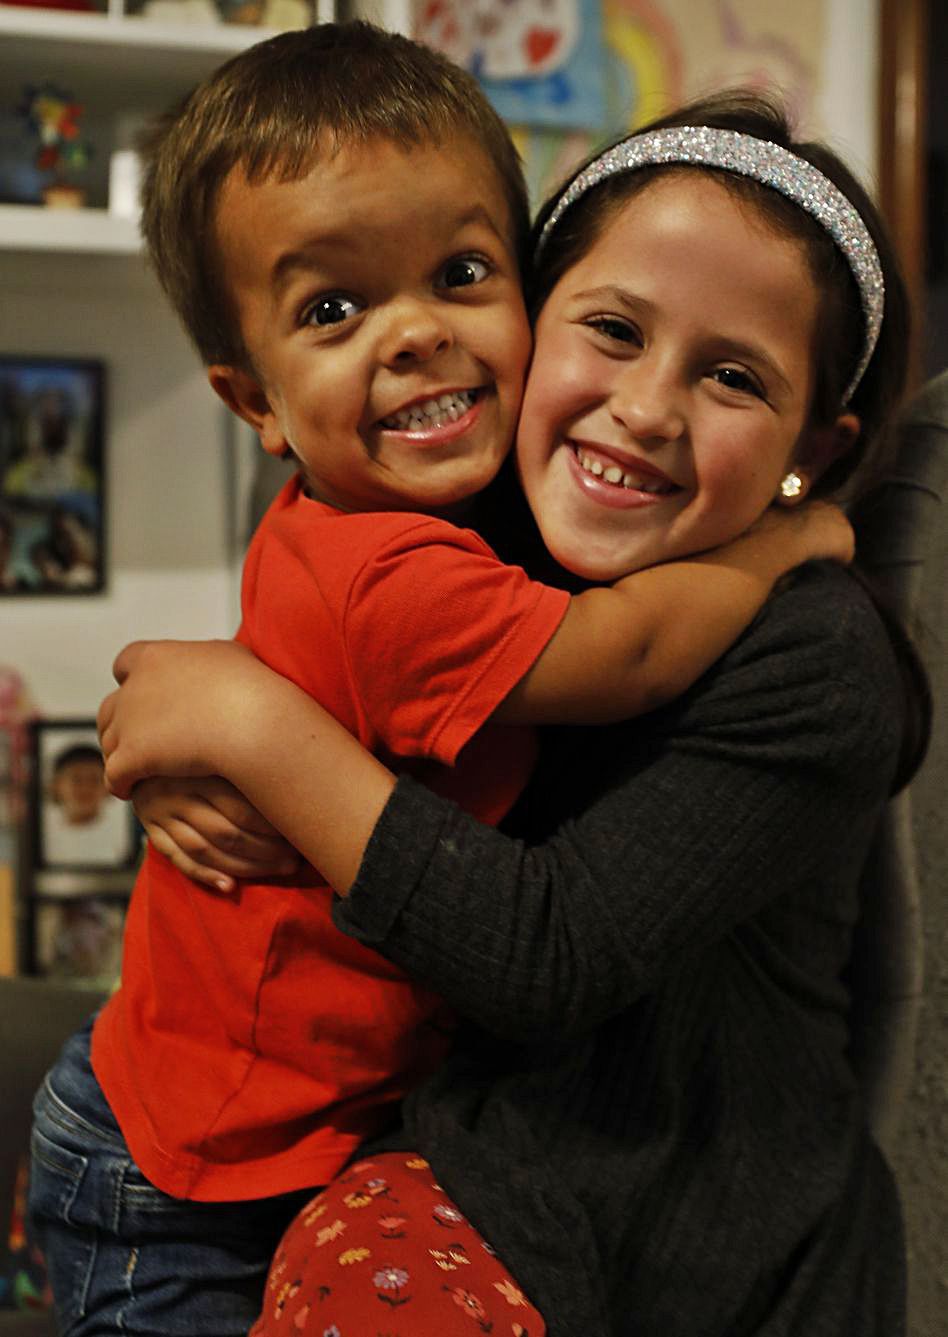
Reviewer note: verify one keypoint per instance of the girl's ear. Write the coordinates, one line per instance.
(816, 451)
(244, 395)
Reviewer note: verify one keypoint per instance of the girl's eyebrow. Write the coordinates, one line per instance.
(612, 292)
(635, 306)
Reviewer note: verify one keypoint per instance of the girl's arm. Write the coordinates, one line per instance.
(619, 652)
(747, 804)
(739, 798)
(626, 649)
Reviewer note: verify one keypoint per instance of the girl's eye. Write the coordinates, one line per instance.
(332, 310)
(463, 272)
(732, 378)
(613, 327)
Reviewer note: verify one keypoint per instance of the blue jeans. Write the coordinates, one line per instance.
(122, 1256)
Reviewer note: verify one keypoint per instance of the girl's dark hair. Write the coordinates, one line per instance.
(840, 327)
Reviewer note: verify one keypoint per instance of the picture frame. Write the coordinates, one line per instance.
(83, 840)
(52, 476)
(79, 939)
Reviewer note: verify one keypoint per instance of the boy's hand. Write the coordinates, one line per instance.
(211, 833)
(183, 708)
(814, 530)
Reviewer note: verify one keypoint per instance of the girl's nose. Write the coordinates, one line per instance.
(647, 402)
(416, 332)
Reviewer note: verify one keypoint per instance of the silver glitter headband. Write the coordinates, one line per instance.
(769, 164)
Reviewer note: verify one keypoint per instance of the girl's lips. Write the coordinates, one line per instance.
(609, 482)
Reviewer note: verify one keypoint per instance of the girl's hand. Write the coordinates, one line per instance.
(211, 833)
(182, 708)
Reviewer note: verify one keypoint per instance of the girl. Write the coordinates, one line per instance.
(652, 1115)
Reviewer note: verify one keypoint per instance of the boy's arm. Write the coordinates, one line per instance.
(629, 648)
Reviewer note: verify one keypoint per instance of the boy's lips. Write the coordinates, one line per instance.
(431, 412)
(616, 479)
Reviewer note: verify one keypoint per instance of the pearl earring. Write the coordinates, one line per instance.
(791, 486)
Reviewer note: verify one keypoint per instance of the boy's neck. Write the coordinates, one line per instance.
(461, 513)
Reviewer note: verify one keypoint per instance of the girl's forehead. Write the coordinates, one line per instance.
(688, 192)
(691, 218)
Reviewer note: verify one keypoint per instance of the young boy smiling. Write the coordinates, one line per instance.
(337, 215)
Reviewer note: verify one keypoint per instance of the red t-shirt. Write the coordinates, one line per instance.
(252, 1045)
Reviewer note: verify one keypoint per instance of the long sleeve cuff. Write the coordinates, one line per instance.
(395, 859)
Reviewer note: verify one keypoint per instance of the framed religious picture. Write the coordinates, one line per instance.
(52, 475)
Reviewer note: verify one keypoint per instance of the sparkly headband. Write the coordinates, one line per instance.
(769, 164)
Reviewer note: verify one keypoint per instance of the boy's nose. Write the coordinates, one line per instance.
(415, 333)
(647, 403)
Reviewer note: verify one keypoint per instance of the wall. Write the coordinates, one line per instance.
(847, 102)
(167, 528)
(846, 96)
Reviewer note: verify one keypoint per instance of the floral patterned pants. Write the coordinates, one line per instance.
(382, 1252)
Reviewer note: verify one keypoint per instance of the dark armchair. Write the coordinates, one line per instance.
(901, 543)
(35, 1019)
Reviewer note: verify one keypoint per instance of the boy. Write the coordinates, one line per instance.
(337, 216)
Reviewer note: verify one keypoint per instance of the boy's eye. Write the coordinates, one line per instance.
(733, 378)
(332, 310)
(614, 327)
(464, 271)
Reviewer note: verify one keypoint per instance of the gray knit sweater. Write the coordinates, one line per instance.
(651, 1115)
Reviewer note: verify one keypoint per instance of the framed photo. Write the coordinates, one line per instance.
(52, 476)
(84, 841)
(79, 939)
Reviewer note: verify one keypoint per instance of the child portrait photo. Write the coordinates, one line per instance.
(78, 823)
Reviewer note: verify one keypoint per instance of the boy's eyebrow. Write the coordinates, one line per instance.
(479, 214)
(305, 257)
(636, 306)
(290, 261)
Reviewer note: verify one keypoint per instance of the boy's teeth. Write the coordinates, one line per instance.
(613, 474)
(432, 412)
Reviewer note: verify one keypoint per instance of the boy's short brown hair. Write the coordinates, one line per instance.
(268, 109)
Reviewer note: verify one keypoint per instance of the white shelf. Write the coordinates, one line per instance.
(117, 66)
(79, 231)
(115, 61)
(61, 25)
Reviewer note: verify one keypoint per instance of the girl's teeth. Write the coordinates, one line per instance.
(613, 474)
(432, 413)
